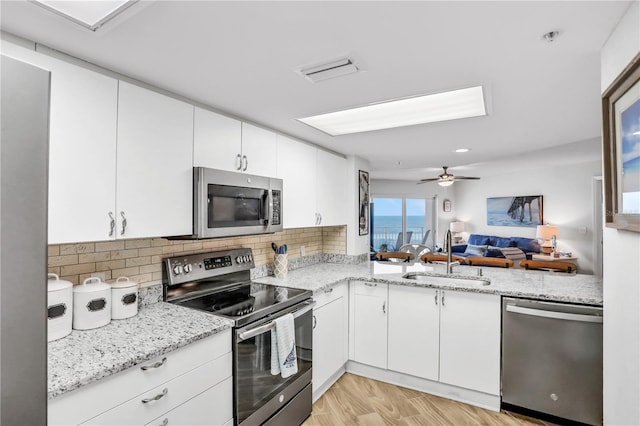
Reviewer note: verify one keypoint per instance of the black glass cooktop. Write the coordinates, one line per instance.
(247, 302)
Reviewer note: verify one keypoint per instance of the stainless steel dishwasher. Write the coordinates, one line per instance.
(552, 359)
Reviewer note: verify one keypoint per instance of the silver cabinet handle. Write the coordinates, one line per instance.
(436, 297)
(154, 365)
(112, 224)
(238, 162)
(157, 397)
(554, 314)
(370, 284)
(328, 290)
(442, 300)
(165, 422)
(246, 163)
(315, 322)
(124, 223)
(320, 220)
(317, 218)
(384, 307)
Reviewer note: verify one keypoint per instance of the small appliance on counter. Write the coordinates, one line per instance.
(124, 298)
(59, 307)
(91, 304)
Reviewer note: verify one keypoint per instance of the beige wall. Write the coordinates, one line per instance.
(141, 259)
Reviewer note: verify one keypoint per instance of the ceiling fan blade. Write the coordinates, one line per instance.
(429, 180)
(464, 177)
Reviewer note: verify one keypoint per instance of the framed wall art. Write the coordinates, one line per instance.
(521, 210)
(363, 214)
(621, 148)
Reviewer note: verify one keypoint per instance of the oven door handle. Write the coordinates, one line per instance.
(271, 325)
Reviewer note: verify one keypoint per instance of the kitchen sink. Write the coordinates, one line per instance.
(445, 280)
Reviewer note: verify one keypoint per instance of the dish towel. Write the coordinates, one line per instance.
(284, 360)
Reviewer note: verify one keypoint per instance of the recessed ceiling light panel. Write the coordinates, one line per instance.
(443, 106)
(89, 14)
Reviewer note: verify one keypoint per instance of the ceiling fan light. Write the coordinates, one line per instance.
(445, 183)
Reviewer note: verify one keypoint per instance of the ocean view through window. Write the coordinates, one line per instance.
(399, 221)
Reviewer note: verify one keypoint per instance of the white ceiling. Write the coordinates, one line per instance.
(241, 57)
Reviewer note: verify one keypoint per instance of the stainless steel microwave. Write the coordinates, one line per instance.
(227, 204)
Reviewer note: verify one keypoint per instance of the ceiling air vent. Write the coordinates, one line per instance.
(336, 68)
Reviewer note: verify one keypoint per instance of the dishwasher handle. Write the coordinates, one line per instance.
(553, 314)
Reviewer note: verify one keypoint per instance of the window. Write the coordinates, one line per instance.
(399, 221)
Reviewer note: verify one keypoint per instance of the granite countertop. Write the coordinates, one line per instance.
(85, 356)
(543, 285)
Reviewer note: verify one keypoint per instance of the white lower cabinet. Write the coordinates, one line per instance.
(329, 336)
(445, 336)
(470, 340)
(368, 318)
(414, 329)
(176, 385)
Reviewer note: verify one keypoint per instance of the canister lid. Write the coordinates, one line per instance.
(54, 283)
(91, 285)
(124, 282)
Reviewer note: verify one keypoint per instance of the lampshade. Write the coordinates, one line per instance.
(545, 232)
(456, 226)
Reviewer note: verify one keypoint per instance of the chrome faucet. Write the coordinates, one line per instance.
(448, 247)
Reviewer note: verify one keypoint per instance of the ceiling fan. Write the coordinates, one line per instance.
(446, 178)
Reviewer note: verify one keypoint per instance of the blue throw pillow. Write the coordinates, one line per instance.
(493, 251)
(480, 240)
(458, 248)
(526, 244)
(502, 242)
(475, 250)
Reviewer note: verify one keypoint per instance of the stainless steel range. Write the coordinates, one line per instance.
(219, 282)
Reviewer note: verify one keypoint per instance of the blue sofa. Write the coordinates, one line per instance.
(529, 246)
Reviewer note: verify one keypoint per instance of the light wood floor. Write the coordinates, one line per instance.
(355, 400)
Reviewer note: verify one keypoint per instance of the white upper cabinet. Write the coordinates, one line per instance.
(314, 185)
(217, 141)
(224, 143)
(82, 148)
(154, 164)
(297, 169)
(331, 184)
(82, 154)
(259, 151)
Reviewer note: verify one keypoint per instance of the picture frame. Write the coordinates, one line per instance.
(518, 210)
(621, 149)
(446, 205)
(363, 205)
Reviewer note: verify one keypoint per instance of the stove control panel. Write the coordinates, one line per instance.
(200, 266)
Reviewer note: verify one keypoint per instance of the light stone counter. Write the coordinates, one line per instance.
(85, 356)
(543, 285)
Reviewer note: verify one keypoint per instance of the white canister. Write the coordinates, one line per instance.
(91, 304)
(124, 298)
(59, 307)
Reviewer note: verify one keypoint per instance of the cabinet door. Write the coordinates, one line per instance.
(216, 141)
(154, 164)
(82, 154)
(331, 188)
(470, 341)
(370, 324)
(259, 146)
(329, 331)
(414, 328)
(297, 169)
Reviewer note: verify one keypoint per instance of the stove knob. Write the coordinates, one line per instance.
(239, 259)
(246, 258)
(188, 268)
(250, 258)
(177, 270)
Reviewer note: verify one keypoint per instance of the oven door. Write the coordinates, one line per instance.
(258, 394)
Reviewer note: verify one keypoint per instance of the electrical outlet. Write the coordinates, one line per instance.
(303, 251)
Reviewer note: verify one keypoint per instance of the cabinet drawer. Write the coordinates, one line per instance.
(212, 407)
(168, 395)
(87, 402)
(329, 294)
(369, 288)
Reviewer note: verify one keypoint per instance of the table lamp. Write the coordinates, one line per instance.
(456, 228)
(549, 234)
